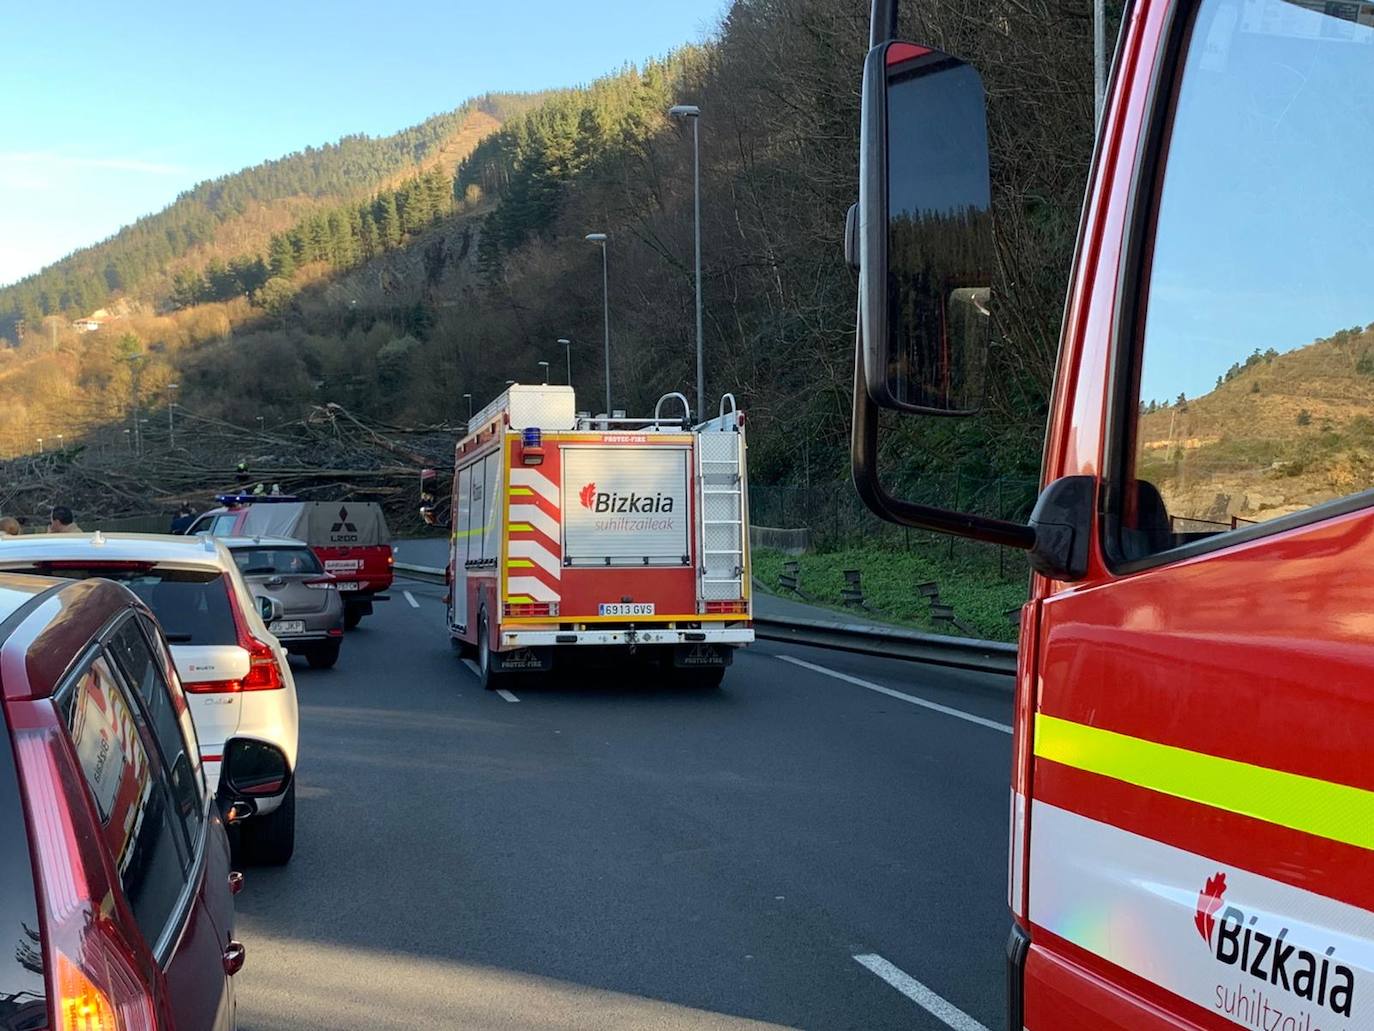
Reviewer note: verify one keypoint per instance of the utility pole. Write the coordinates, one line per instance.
(567, 348)
(171, 405)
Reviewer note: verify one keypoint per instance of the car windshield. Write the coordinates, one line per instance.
(276, 561)
(191, 604)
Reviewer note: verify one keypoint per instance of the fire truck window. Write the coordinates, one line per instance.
(1256, 374)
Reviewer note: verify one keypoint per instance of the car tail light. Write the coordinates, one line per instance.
(93, 980)
(263, 672)
(724, 607)
(535, 608)
(327, 583)
(390, 557)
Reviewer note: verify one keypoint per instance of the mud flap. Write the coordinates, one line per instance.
(523, 660)
(698, 656)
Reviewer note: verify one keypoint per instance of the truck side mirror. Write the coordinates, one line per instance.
(925, 245)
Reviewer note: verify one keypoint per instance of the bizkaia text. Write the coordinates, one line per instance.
(611, 501)
(1315, 977)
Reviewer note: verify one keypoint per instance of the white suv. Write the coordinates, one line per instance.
(233, 670)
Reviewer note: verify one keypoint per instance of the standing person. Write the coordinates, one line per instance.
(182, 521)
(9, 527)
(63, 521)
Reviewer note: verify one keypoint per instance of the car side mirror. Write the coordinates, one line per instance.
(252, 769)
(269, 608)
(925, 247)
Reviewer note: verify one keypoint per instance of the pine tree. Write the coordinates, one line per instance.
(367, 233)
(388, 221)
(280, 257)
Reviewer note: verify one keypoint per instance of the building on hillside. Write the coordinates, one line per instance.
(93, 321)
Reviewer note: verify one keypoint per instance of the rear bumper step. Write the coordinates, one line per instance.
(645, 636)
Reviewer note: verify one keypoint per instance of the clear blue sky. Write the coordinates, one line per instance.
(109, 111)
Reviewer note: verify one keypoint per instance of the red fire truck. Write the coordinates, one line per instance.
(1192, 793)
(575, 536)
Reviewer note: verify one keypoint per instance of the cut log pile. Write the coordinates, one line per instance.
(328, 454)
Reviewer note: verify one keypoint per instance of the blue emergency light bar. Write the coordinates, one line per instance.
(253, 499)
(531, 436)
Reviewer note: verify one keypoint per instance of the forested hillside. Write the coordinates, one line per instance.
(230, 214)
(399, 301)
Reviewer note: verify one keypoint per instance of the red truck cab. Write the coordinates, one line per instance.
(1192, 791)
(350, 538)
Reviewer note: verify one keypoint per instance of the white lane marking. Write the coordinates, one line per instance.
(946, 1012)
(476, 672)
(933, 706)
(411, 598)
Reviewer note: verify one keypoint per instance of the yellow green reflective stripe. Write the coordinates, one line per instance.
(521, 492)
(467, 533)
(1335, 811)
(519, 563)
(525, 527)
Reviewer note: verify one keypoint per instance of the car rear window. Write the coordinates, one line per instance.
(281, 561)
(191, 604)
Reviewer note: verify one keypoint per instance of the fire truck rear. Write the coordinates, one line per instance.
(580, 537)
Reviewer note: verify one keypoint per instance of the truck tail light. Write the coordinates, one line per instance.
(93, 980)
(727, 607)
(534, 608)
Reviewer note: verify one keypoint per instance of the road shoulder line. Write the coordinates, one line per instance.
(938, 1007)
(912, 699)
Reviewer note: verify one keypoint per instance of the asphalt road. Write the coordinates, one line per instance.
(609, 852)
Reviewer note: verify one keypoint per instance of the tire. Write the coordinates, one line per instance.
(489, 678)
(353, 615)
(270, 840)
(324, 656)
(705, 679)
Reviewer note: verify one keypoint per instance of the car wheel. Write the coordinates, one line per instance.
(489, 678)
(324, 656)
(270, 840)
(352, 617)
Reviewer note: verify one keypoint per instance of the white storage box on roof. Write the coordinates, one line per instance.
(546, 407)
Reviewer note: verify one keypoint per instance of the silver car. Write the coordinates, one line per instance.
(311, 622)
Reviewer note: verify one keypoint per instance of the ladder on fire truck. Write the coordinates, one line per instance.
(724, 500)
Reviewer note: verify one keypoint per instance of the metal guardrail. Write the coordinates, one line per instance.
(429, 574)
(892, 643)
(888, 642)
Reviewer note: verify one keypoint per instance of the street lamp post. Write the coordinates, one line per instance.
(601, 238)
(545, 367)
(40, 445)
(567, 348)
(469, 397)
(61, 442)
(694, 113)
